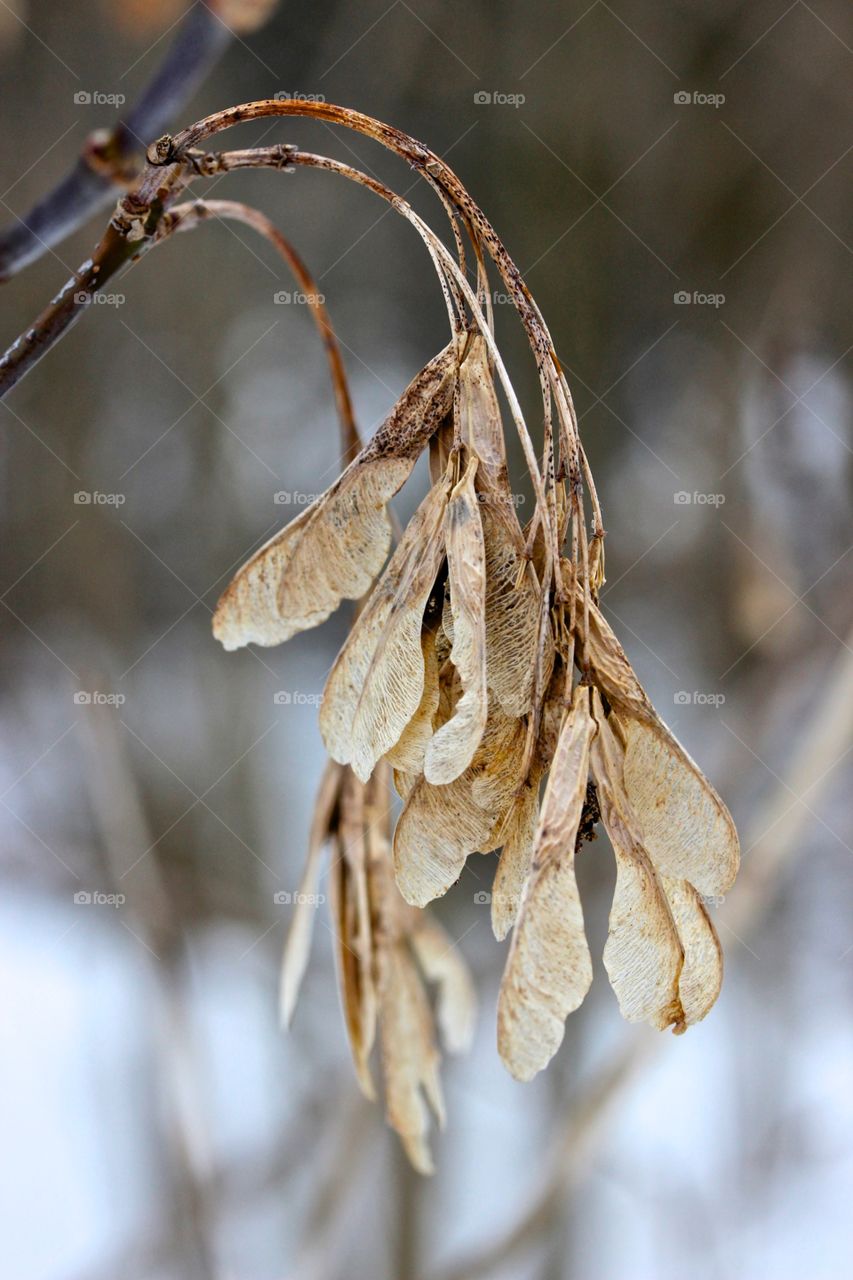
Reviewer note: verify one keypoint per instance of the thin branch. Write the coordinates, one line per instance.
(114, 252)
(140, 221)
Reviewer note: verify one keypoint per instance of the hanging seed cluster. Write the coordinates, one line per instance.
(474, 676)
(481, 676)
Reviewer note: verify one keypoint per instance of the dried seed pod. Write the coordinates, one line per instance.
(519, 830)
(513, 600)
(336, 547)
(388, 954)
(412, 951)
(377, 681)
(440, 826)
(441, 963)
(298, 943)
(687, 829)
(549, 969)
(609, 664)
(519, 839)
(407, 755)
(643, 955)
(351, 908)
(410, 1057)
(478, 414)
(512, 594)
(702, 972)
(453, 745)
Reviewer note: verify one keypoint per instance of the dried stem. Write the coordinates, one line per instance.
(174, 162)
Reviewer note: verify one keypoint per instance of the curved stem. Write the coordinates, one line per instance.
(228, 161)
(171, 152)
(173, 162)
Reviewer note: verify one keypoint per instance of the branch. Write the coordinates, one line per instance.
(126, 239)
(113, 157)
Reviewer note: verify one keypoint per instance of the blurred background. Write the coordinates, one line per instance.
(674, 182)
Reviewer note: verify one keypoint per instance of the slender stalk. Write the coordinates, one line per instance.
(174, 162)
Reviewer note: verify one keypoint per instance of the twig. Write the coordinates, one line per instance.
(125, 836)
(773, 846)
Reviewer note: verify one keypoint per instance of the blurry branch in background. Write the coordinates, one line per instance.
(114, 157)
(352, 1144)
(127, 847)
(775, 839)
